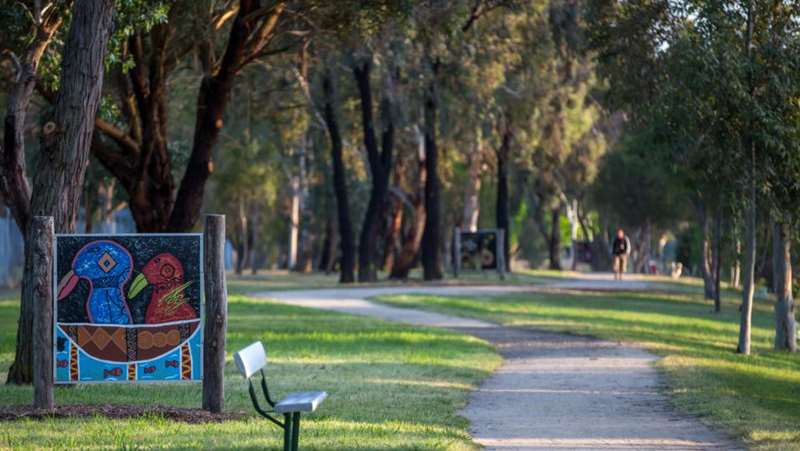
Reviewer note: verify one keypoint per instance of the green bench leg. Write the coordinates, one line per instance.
(287, 432)
(295, 431)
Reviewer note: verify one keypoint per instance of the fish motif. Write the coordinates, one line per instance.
(116, 372)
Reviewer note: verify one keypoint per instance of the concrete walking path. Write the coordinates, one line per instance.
(553, 391)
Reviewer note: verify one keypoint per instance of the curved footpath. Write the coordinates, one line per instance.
(553, 391)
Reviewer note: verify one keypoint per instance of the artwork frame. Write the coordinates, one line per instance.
(479, 242)
(183, 330)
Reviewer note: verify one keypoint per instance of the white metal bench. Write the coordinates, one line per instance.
(253, 359)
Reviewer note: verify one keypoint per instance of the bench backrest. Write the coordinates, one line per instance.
(251, 359)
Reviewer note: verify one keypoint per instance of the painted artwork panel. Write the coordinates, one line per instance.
(479, 250)
(128, 308)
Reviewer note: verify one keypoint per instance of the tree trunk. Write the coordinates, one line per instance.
(215, 92)
(66, 137)
(241, 239)
(339, 185)
(736, 269)
(413, 237)
(746, 309)
(294, 224)
(502, 216)
(716, 265)
(472, 191)
(328, 246)
(785, 324)
(380, 168)
(252, 236)
(555, 238)
(431, 237)
(706, 255)
(572, 216)
(14, 187)
(393, 233)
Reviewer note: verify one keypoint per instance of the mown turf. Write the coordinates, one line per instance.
(391, 387)
(756, 398)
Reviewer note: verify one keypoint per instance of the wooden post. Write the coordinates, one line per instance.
(456, 251)
(501, 253)
(41, 233)
(216, 313)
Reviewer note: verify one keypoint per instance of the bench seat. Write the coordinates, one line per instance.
(252, 360)
(301, 402)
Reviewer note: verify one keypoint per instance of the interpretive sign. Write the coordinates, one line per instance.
(128, 308)
(480, 250)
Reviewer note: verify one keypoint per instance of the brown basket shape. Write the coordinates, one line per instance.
(129, 343)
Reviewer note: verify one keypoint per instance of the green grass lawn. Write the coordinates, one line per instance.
(756, 398)
(390, 387)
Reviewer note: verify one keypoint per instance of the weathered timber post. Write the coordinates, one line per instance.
(500, 252)
(41, 234)
(216, 312)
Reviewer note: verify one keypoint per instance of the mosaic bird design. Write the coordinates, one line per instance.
(106, 266)
(164, 273)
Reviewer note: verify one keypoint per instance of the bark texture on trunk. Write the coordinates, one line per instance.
(431, 237)
(42, 234)
(66, 137)
(347, 263)
(785, 324)
(380, 163)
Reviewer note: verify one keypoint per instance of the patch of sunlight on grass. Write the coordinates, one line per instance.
(391, 387)
(757, 397)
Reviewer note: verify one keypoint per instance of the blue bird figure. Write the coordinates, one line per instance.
(106, 266)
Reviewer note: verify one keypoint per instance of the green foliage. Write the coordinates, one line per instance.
(635, 188)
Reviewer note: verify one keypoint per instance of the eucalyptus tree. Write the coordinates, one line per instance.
(65, 139)
(731, 70)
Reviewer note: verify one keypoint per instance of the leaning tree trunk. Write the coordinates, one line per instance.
(785, 324)
(502, 216)
(65, 139)
(347, 274)
(555, 239)
(431, 237)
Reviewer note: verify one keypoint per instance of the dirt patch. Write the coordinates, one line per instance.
(193, 416)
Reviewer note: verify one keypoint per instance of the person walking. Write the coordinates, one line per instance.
(620, 249)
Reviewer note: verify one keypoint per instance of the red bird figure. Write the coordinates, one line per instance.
(168, 302)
